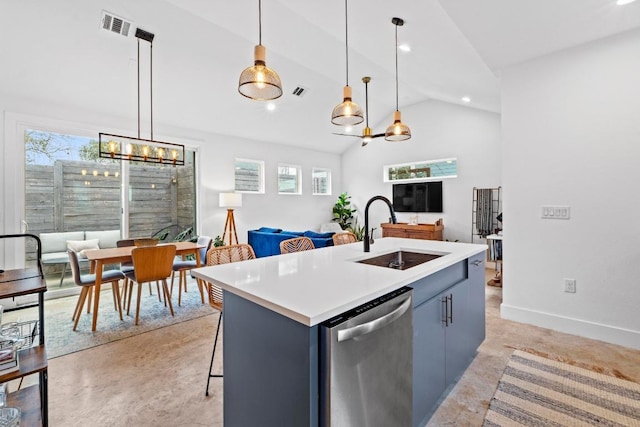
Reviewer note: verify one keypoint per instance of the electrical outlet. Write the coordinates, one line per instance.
(570, 285)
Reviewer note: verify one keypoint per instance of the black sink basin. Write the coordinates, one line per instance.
(400, 260)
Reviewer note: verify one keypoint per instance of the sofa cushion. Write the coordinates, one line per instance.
(57, 242)
(107, 238)
(269, 230)
(314, 235)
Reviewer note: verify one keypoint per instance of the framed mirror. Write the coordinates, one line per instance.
(427, 170)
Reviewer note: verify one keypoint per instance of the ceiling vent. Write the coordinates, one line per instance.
(115, 24)
(299, 91)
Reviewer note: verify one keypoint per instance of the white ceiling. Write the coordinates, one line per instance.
(201, 46)
(458, 49)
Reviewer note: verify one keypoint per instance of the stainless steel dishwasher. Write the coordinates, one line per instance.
(366, 364)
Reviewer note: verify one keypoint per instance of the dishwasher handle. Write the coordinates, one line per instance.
(373, 325)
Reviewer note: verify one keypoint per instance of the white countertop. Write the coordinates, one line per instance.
(313, 286)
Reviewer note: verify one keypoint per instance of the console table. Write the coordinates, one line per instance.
(414, 231)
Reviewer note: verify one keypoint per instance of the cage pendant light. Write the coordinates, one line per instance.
(347, 113)
(260, 82)
(397, 131)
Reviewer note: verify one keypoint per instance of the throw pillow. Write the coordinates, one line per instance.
(79, 246)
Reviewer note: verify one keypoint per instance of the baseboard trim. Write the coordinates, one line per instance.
(596, 331)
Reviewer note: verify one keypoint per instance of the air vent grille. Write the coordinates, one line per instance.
(115, 24)
(299, 91)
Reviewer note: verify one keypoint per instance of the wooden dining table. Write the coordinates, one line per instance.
(100, 257)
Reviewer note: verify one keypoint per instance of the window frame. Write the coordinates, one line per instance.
(260, 163)
(298, 168)
(313, 182)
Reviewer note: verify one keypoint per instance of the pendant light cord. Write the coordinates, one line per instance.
(346, 39)
(151, 85)
(138, 88)
(396, 47)
(260, 22)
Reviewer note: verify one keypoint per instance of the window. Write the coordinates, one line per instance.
(289, 178)
(249, 176)
(321, 181)
(428, 170)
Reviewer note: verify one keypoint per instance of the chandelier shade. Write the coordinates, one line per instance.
(397, 131)
(260, 82)
(347, 113)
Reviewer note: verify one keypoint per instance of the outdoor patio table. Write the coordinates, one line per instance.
(99, 257)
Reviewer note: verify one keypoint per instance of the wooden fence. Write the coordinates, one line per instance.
(81, 196)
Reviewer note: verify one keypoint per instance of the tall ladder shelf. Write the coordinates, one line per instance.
(488, 230)
(31, 400)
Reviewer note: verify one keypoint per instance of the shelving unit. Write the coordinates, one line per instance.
(31, 400)
(489, 207)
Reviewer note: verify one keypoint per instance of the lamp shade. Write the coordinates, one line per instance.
(397, 131)
(230, 200)
(260, 82)
(347, 113)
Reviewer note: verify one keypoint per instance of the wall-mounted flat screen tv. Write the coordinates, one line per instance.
(418, 197)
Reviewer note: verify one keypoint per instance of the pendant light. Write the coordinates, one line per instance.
(260, 82)
(398, 131)
(347, 113)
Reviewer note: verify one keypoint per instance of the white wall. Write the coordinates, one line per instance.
(572, 137)
(439, 130)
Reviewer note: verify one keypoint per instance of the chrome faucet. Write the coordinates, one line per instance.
(366, 218)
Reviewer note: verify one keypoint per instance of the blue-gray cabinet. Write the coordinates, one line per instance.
(449, 325)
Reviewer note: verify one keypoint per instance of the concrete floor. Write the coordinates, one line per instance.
(159, 377)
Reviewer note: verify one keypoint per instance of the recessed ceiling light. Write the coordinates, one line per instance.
(348, 129)
(271, 106)
(404, 48)
(466, 99)
(622, 2)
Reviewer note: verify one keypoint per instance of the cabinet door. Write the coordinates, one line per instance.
(458, 348)
(428, 358)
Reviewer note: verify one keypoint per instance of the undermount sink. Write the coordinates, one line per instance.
(400, 260)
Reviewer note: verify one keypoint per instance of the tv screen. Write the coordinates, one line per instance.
(418, 197)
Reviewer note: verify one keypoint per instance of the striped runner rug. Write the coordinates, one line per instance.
(536, 391)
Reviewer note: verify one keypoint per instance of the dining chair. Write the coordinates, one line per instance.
(343, 238)
(216, 256)
(183, 265)
(296, 244)
(151, 263)
(88, 281)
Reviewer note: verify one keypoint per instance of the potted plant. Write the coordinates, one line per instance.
(342, 212)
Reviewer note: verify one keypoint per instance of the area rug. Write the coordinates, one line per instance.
(537, 391)
(60, 339)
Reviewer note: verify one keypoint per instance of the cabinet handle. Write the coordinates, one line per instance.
(476, 262)
(446, 311)
(450, 310)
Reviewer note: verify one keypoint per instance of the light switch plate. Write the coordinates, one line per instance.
(555, 212)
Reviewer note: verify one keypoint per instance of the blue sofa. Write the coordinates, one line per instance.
(265, 241)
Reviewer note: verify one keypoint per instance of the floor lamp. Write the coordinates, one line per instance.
(230, 201)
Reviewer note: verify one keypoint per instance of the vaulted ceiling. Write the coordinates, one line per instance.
(458, 48)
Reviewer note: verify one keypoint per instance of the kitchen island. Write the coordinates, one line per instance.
(273, 308)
